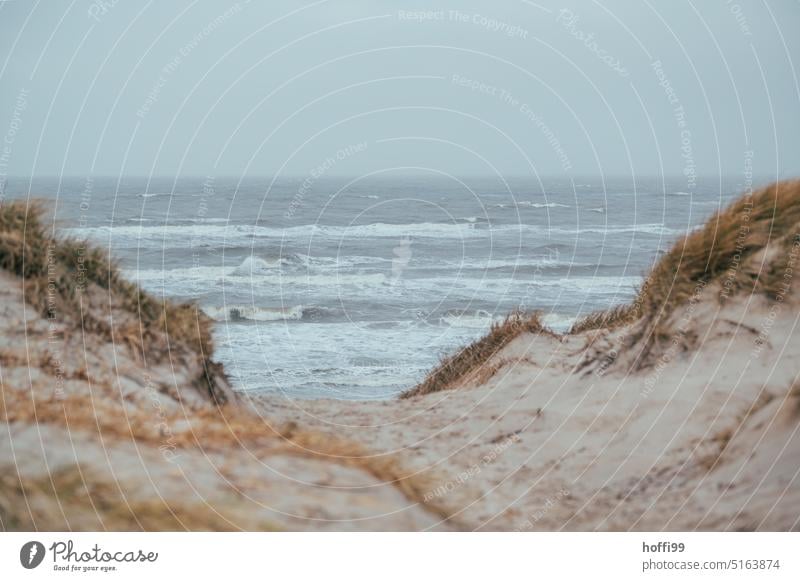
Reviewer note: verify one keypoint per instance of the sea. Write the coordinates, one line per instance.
(353, 288)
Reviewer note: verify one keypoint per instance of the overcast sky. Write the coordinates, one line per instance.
(517, 87)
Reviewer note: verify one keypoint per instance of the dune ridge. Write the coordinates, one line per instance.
(118, 418)
(678, 411)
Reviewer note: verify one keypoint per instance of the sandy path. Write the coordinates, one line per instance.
(705, 440)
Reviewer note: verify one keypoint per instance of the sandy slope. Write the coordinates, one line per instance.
(58, 471)
(706, 439)
(685, 417)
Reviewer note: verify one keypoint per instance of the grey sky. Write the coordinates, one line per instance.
(568, 88)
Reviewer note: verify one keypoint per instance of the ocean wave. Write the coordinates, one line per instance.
(255, 270)
(467, 319)
(197, 273)
(188, 235)
(198, 220)
(553, 248)
(655, 229)
(183, 236)
(473, 220)
(558, 322)
(520, 262)
(330, 281)
(481, 319)
(598, 284)
(254, 265)
(240, 313)
(547, 205)
(529, 204)
(175, 221)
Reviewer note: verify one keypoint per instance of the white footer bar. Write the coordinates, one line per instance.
(406, 556)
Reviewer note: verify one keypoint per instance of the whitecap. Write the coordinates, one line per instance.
(234, 313)
(468, 319)
(255, 265)
(558, 322)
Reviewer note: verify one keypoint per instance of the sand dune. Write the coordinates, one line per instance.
(679, 411)
(708, 442)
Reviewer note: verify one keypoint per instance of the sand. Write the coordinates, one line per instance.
(581, 431)
(705, 440)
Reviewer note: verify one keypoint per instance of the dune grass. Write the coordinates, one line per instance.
(81, 284)
(75, 498)
(470, 360)
(720, 253)
(608, 319)
(86, 289)
(226, 430)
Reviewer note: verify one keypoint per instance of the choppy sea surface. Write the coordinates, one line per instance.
(354, 288)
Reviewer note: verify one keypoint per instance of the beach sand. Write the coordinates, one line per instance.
(709, 442)
(681, 414)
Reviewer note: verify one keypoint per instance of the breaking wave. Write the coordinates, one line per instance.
(240, 313)
(205, 235)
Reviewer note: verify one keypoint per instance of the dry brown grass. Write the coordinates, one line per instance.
(609, 319)
(86, 289)
(721, 253)
(472, 359)
(78, 499)
(721, 440)
(794, 396)
(228, 431)
(83, 286)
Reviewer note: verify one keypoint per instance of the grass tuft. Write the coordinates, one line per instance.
(80, 283)
(608, 319)
(76, 498)
(227, 430)
(721, 253)
(470, 360)
(85, 288)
